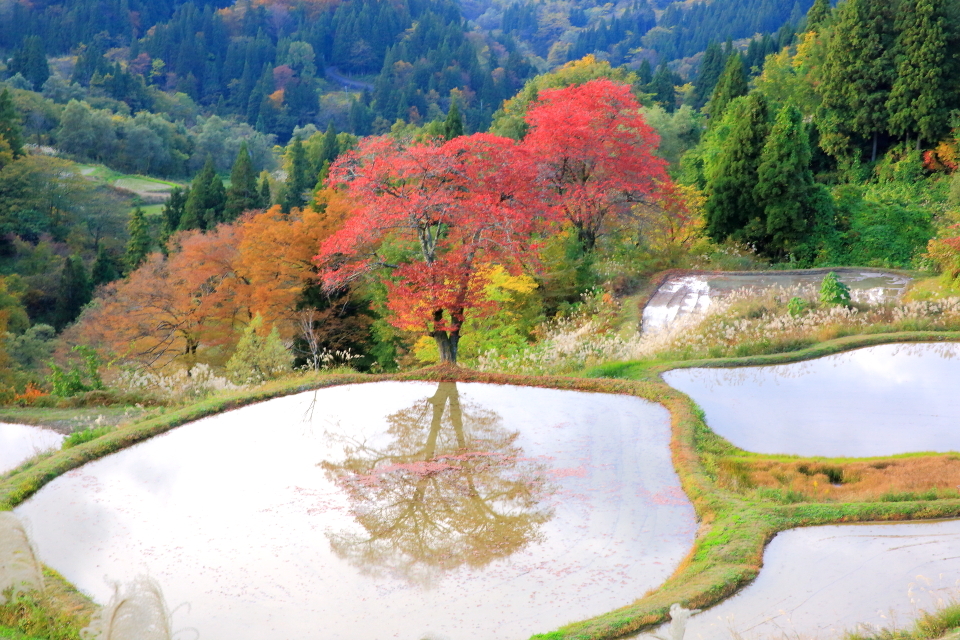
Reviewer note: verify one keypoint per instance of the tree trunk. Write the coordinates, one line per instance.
(447, 345)
(873, 158)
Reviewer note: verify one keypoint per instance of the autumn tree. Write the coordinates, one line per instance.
(594, 154)
(432, 216)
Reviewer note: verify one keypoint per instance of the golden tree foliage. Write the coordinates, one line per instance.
(193, 306)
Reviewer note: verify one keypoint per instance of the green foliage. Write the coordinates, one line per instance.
(204, 208)
(299, 177)
(242, 194)
(818, 14)
(785, 188)
(140, 243)
(10, 123)
(918, 101)
(74, 292)
(79, 377)
(259, 355)
(878, 233)
(796, 306)
(85, 435)
(732, 203)
(106, 267)
(833, 291)
(453, 125)
(732, 84)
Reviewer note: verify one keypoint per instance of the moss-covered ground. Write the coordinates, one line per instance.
(736, 522)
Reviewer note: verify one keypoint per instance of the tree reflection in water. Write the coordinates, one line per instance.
(451, 489)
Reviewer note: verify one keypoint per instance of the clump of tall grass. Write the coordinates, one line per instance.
(745, 323)
(180, 385)
(928, 626)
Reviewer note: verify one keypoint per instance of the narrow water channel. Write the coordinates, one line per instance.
(883, 400)
(819, 582)
(20, 442)
(384, 510)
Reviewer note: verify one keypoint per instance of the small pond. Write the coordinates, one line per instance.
(682, 295)
(877, 401)
(382, 510)
(19, 442)
(818, 582)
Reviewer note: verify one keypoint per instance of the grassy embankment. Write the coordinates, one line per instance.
(736, 521)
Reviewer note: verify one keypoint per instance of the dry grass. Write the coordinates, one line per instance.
(815, 480)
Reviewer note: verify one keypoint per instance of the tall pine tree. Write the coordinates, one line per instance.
(711, 66)
(242, 194)
(918, 102)
(453, 125)
(731, 204)
(785, 189)
(732, 84)
(10, 123)
(73, 293)
(299, 179)
(857, 75)
(140, 243)
(818, 14)
(206, 202)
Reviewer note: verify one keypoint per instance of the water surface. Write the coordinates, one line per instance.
(818, 582)
(884, 400)
(682, 295)
(385, 510)
(20, 442)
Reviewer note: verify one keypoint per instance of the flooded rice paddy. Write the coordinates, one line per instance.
(877, 401)
(682, 295)
(818, 582)
(382, 510)
(20, 442)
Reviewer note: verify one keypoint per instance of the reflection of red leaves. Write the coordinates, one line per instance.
(425, 468)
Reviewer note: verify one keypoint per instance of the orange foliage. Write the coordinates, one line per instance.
(30, 395)
(192, 306)
(946, 157)
(945, 253)
(866, 480)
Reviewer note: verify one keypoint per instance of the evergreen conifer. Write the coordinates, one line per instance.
(206, 201)
(299, 179)
(453, 125)
(732, 84)
(785, 188)
(918, 97)
(265, 198)
(106, 268)
(818, 14)
(73, 293)
(242, 194)
(140, 243)
(732, 205)
(10, 123)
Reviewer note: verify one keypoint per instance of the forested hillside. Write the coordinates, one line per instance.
(203, 153)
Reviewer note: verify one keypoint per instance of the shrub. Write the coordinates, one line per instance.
(259, 357)
(834, 292)
(86, 435)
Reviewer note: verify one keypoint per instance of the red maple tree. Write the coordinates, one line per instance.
(594, 153)
(443, 213)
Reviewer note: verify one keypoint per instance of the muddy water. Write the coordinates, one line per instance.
(681, 295)
(876, 401)
(821, 581)
(18, 442)
(386, 510)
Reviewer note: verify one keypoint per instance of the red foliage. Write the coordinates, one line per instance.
(449, 208)
(594, 153)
